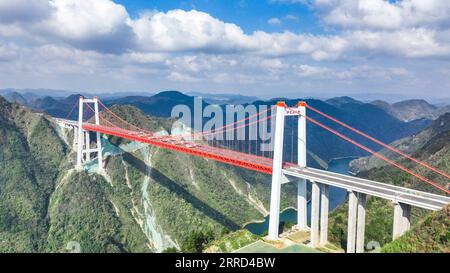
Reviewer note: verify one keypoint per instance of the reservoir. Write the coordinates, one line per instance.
(337, 196)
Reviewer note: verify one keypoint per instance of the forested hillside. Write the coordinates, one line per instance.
(148, 199)
(30, 157)
(431, 234)
(435, 151)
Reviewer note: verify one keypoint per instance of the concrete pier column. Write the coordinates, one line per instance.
(351, 232)
(302, 201)
(315, 199)
(274, 217)
(80, 135)
(406, 218)
(324, 207)
(302, 205)
(397, 225)
(75, 138)
(402, 216)
(361, 224)
(87, 139)
(99, 139)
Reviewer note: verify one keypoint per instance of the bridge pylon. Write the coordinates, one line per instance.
(277, 175)
(302, 201)
(274, 218)
(84, 150)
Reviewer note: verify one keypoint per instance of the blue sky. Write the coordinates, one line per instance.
(265, 48)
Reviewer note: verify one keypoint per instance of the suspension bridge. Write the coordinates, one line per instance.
(282, 164)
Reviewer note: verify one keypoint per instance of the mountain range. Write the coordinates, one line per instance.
(412, 109)
(150, 199)
(365, 116)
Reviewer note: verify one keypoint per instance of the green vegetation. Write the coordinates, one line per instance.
(286, 225)
(190, 195)
(379, 213)
(150, 199)
(197, 241)
(81, 212)
(44, 206)
(263, 247)
(170, 250)
(30, 155)
(232, 242)
(431, 235)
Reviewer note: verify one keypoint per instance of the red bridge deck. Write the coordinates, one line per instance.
(248, 161)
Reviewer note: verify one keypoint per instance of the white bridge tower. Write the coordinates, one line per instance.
(277, 175)
(84, 150)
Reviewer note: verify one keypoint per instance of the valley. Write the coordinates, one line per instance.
(153, 200)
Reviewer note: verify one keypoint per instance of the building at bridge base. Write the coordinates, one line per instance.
(84, 151)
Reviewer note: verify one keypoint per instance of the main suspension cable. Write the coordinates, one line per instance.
(399, 166)
(380, 142)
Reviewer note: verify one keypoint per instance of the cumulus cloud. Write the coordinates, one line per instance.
(97, 24)
(99, 39)
(409, 43)
(105, 26)
(24, 10)
(179, 30)
(100, 25)
(381, 14)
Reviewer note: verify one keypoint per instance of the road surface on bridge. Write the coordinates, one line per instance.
(386, 191)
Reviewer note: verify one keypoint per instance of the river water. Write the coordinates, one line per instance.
(337, 196)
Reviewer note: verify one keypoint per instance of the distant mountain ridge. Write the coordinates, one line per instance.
(224, 98)
(409, 145)
(409, 110)
(159, 105)
(55, 93)
(341, 101)
(366, 117)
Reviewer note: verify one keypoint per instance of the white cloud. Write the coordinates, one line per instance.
(104, 26)
(291, 17)
(179, 30)
(305, 70)
(23, 10)
(381, 14)
(274, 21)
(63, 41)
(409, 43)
(8, 52)
(81, 19)
(95, 24)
